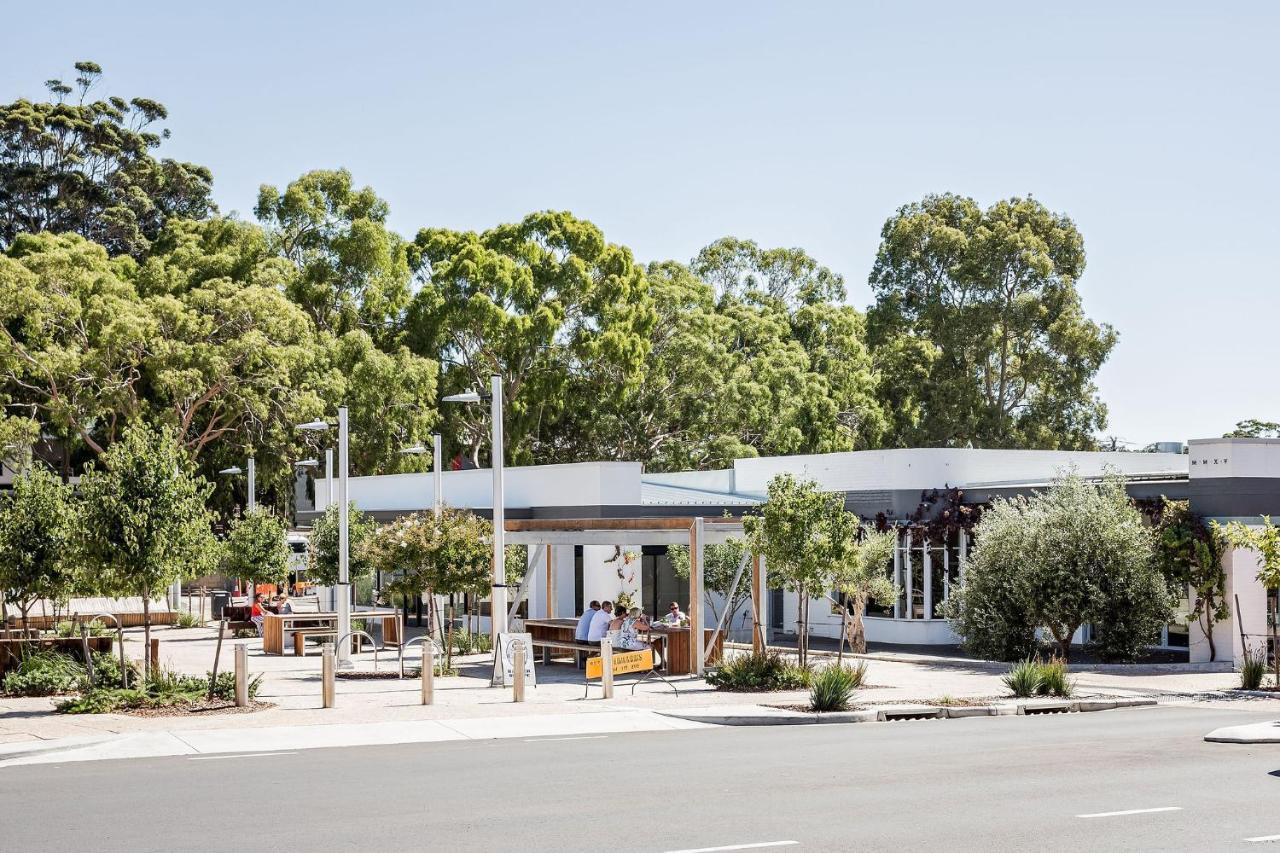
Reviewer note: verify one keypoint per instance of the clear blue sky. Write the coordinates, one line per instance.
(1154, 126)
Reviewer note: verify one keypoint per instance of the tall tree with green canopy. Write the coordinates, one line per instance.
(736, 267)
(986, 302)
(1254, 428)
(36, 521)
(546, 303)
(256, 548)
(84, 164)
(804, 534)
(142, 522)
(352, 271)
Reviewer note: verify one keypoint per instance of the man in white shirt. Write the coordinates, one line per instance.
(584, 622)
(600, 622)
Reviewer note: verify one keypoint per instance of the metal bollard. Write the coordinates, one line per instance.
(327, 662)
(428, 672)
(606, 658)
(517, 682)
(242, 675)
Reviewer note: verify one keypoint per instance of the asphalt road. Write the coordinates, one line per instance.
(1004, 784)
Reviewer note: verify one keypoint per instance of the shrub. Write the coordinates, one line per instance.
(106, 670)
(45, 673)
(1054, 680)
(1033, 677)
(163, 688)
(760, 671)
(467, 643)
(68, 628)
(1252, 671)
(1023, 678)
(225, 685)
(187, 619)
(833, 686)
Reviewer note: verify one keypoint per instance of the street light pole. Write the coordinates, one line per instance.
(498, 600)
(344, 565)
(253, 502)
(435, 468)
(328, 472)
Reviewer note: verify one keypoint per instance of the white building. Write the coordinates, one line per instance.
(1225, 479)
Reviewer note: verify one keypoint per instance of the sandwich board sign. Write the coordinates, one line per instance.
(504, 660)
(623, 662)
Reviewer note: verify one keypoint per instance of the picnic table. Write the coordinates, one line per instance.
(676, 652)
(276, 625)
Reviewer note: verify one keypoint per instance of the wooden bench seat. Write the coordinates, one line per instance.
(300, 638)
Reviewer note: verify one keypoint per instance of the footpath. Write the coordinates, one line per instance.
(378, 711)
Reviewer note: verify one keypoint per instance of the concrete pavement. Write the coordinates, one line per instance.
(1138, 779)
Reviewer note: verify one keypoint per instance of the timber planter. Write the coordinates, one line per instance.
(12, 650)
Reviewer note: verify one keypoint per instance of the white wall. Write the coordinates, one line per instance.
(600, 579)
(581, 484)
(929, 468)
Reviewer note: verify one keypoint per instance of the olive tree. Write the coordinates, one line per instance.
(1077, 553)
(862, 574)
(143, 523)
(721, 562)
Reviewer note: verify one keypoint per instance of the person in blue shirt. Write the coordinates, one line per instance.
(584, 622)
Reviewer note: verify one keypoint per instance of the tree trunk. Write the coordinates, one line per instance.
(844, 633)
(857, 629)
(147, 662)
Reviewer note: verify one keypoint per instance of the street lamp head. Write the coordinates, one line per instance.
(464, 397)
(416, 450)
(307, 463)
(313, 426)
(234, 469)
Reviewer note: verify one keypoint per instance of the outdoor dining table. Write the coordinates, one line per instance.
(676, 651)
(276, 625)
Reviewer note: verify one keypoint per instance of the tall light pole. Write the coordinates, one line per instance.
(437, 485)
(344, 555)
(498, 599)
(252, 502)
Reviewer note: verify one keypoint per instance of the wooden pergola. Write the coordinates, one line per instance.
(694, 531)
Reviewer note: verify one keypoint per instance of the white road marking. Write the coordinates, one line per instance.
(1259, 838)
(754, 846)
(1133, 811)
(581, 737)
(236, 755)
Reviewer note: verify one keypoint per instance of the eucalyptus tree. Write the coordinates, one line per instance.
(84, 163)
(547, 304)
(979, 328)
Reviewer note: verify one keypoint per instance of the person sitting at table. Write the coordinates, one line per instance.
(675, 616)
(256, 611)
(584, 622)
(633, 622)
(600, 622)
(282, 604)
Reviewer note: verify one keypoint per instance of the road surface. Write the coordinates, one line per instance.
(1137, 779)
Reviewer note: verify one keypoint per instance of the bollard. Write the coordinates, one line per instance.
(326, 675)
(428, 672)
(517, 682)
(88, 653)
(242, 675)
(606, 676)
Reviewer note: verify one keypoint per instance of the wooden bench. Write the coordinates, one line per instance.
(578, 646)
(301, 635)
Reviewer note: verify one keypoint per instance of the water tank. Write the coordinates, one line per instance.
(1168, 447)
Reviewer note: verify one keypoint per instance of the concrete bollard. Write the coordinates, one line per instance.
(428, 672)
(517, 676)
(327, 662)
(606, 676)
(242, 675)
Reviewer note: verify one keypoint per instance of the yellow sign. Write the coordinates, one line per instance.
(623, 662)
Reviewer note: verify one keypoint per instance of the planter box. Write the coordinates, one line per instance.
(11, 651)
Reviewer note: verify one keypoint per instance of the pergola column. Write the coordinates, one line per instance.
(697, 541)
(550, 602)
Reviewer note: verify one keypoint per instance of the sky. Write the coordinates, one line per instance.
(1154, 126)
